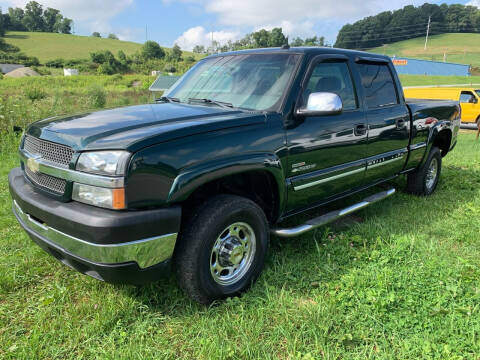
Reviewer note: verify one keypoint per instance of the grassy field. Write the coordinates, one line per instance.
(400, 281)
(50, 46)
(460, 48)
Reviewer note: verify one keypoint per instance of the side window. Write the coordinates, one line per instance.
(377, 80)
(334, 78)
(467, 97)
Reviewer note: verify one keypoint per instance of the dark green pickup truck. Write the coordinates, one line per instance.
(200, 179)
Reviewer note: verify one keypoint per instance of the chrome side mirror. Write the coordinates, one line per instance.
(322, 103)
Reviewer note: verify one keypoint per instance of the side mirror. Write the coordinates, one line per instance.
(321, 103)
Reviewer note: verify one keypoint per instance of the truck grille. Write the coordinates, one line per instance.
(60, 155)
(46, 181)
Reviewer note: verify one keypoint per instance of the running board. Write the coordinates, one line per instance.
(332, 216)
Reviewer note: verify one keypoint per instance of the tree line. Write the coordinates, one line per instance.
(259, 39)
(34, 18)
(407, 23)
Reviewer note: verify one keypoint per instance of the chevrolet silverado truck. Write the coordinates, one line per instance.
(201, 178)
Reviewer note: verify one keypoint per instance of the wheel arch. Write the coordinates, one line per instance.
(259, 178)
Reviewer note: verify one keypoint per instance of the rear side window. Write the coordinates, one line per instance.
(377, 81)
(335, 78)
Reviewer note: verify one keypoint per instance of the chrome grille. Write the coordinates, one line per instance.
(46, 181)
(58, 154)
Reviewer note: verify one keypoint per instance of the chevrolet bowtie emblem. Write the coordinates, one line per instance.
(33, 164)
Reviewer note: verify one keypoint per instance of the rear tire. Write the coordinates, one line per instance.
(424, 181)
(222, 248)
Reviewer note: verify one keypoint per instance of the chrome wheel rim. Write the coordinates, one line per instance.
(232, 254)
(432, 173)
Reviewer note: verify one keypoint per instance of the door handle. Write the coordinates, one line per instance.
(360, 129)
(400, 123)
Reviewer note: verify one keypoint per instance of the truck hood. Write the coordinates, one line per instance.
(134, 127)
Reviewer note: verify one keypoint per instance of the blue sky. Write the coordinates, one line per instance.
(191, 22)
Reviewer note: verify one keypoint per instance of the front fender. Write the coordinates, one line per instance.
(193, 177)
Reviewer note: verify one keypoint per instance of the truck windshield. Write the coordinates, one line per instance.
(478, 92)
(250, 81)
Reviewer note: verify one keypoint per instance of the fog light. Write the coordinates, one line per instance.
(98, 196)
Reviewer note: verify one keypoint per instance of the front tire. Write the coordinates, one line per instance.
(222, 248)
(424, 180)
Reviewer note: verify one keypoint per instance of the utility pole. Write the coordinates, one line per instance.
(146, 32)
(428, 31)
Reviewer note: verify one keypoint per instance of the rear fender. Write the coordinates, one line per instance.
(435, 130)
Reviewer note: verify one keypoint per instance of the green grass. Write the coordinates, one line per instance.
(422, 80)
(50, 46)
(460, 48)
(25, 100)
(401, 283)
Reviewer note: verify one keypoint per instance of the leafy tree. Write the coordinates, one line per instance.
(261, 38)
(276, 38)
(50, 19)
(199, 49)
(113, 36)
(297, 42)
(63, 25)
(33, 19)
(151, 50)
(407, 23)
(176, 53)
(15, 19)
(2, 23)
(122, 57)
(96, 34)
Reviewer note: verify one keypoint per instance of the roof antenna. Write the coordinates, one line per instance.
(286, 46)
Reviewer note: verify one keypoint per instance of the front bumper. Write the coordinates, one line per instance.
(119, 247)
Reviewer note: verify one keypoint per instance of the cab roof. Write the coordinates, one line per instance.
(307, 50)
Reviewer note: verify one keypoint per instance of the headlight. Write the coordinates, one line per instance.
(98, 196)
(103, 162)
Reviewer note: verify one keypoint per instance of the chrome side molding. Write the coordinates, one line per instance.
(145, 252)
(331, 216)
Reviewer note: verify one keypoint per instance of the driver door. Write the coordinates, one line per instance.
(327, 154)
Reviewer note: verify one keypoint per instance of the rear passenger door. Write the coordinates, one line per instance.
(388, 120)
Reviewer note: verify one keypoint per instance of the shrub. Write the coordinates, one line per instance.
(35, 93)
(97, 96)
(151, 50)
(169, 68)
(57, 63)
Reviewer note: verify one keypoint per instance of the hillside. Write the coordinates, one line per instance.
(460, 48)
(49, 46)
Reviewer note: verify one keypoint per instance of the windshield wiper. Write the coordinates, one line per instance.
(215, 102)
(168, 99)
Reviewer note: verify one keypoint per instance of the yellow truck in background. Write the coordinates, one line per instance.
(469, 99)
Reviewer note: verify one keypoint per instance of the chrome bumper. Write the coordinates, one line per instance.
(145, 252)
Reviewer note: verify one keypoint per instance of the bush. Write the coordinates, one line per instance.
(169, 68)
(57, 63)
(151, 50)
(97, 96)
(35, 93)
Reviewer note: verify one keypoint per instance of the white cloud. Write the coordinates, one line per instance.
(258, 12)
(474, 3)
(199, 36)
(94, 14)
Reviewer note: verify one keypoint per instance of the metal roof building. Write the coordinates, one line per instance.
(427, 67)
(163, 82)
